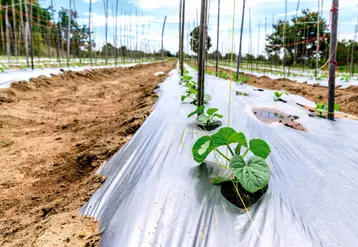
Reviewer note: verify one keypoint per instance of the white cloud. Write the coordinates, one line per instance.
(156, 4)
(100, 20)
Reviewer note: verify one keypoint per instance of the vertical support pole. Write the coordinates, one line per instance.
(217, 41)
(265, 41)
(352, 54)
(182, 40)
(136, 37)
(7, 33)
(130, 36)
(120, 35)
(105, 5)
(31, 36)
(48, 42)
(26, 35)
(272, 55)
(2, 37)
(318, 38)
(201, 54)
(332, 62)
(232, 35)
(38, 33)
(284, 39)
(165, 19)
(240, 46)
(68, 34)
(250, 43)
(258, 47)
(180, 12)
(21, 29)
(116, 35)
(89, 32)
(15, 31)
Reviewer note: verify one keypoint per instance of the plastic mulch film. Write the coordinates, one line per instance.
(157, 195)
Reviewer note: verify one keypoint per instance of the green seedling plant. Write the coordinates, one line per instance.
(345, 77)
(278, 94)
(253, 173)
(186, 78)
(3, 67)
(317, 75)
(192, 92)
(241, 93)
(205, 118)
(242, 79)
(40, 66)
(323, 108)
(23, 66)
(223, 75)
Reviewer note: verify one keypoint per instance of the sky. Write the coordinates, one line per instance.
(151, 13)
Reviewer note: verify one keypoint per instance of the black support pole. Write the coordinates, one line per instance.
(201, 53)
(217, 41)
(332, 62)
(182, 40)
(240, 46)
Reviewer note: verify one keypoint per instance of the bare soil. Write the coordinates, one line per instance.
(54, 133)
(347, 98)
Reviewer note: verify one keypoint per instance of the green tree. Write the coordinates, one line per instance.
(194, 40)
(300, 38)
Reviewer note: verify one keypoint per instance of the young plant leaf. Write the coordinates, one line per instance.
(226, 136)
(260, 148)
(211, 111)
(218, 115)
(219, 180)
(200, 109)
(254, 175)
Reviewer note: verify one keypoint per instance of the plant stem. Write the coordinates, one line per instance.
(247, 150)
(232, 153)
(223, 155)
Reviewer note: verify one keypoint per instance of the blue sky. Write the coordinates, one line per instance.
(154, 11)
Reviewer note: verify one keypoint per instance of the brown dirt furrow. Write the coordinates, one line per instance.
(54, 133)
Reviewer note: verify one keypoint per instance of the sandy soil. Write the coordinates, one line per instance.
(346, 98)
(54, 133)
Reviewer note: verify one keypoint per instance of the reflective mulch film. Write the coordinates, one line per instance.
(157, 195)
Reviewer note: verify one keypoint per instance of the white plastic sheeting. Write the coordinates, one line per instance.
(301, 79)
(156, 195)
(11, 75)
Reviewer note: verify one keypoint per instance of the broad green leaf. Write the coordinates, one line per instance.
(211, 111)
(218, 115)
(183, 97)
(226, 136)
(200, 109)
(201, 148)
(260, 148)
(219, 180)
(254, 175)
